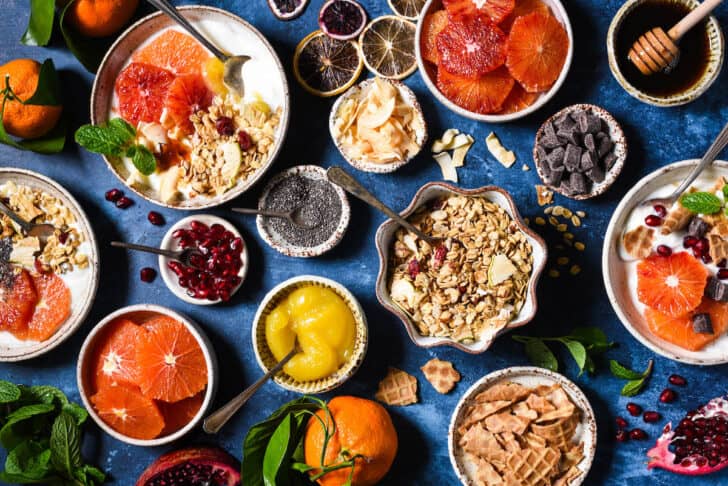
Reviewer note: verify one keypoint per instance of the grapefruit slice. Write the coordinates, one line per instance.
(518, 99)
(671, 285)
(471, 46)
(485, 94)
(128, 412)
(114, 360)
(174, 51)
(536, 50)
(53, 307)
(17, 301)
(187, 95)
(171, 361)
(496, 10)
(141, 89)
(177, 415)
(679, 330)
(432, 25)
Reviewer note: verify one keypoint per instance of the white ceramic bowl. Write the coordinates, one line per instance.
(429, 72)
(103, 91)
(265, 357)
(433, 190)
(85, 281)
(616, 271)
(169, 242)
(530, 376)
(409, 97)
(140, 312)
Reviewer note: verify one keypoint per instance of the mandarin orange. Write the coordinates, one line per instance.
(128, 412)
(100, 18)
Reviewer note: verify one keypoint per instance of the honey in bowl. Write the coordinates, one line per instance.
(694, 48)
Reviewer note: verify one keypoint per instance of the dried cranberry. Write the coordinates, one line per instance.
(651, 416)
(621, 423)
(653, 220)
(63, 237)
(155, 218)
(706, 258)
(124, 202)
(113, 195)
(440, 254)
(413, 268)
(244, 140)
(39, 267)
(621, 436)
(689, 241)
(637, 434)
(225, 126)
(660, 210)
(677, 380)
(668, 395)
(634, 409)
(148, 274)
(664, 250)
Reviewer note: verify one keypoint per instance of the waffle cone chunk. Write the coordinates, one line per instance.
(441, 375)
(534, 467)
(638, 242)
(397, 388)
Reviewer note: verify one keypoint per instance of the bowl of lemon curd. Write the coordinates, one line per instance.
(323, 321)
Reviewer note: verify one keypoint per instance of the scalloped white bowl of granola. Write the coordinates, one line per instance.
(480, 283)
(209, 145)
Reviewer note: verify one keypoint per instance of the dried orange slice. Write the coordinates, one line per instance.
(141, 89)
(679, 330)
(536, 51)
(52, 309)
(518, 99)
(325, 66)
(388, 47)
(408, 9)
(485, 94)
(471, 46)
(17, 301)
(171, 361)
(177, 415)
(115, 354)
(671, 285)
(496, 10)
(432, 25)
(175, 51)
(128, 412)
(187, 95)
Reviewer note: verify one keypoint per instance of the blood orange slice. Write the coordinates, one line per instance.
(524, 7)
(432, 25)
(679, 330)
(537, 47)
(187, 95)
(496, 10)
(485, 94)
(128, 412)
(17, 301)
(471, 46)
(671, 285)
(114, 359)
(53, 307)
(518, 99)
(141, 89)
(171, 361)
(177, 415)
(175, 51)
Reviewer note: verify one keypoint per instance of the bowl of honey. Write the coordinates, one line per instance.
(696, 68)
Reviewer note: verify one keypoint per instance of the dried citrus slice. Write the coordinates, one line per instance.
(432, 25)
(52, 308)
(128, 412)
(114, 359)
(187, 95)
(177, 415)
(496, 10)
(537, 47)
(175, 51)
(141, 89)
(171, 361)
(408, 9)
(342, 19)
(325, 66)
(388, 47)
(679, 330)
(485, 94)
(518, 99)
(471, 46)
(524, 7)
(671, 285)
(17, 301)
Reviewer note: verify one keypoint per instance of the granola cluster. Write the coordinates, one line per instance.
(475, 282)
(61, 253)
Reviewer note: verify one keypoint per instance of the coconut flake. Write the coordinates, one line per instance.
(444, 160)
(506, 157)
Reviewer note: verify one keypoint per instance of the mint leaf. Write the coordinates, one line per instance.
(578, 352)
(541, 355)
(623, 372)
(142, 159)
(9, 392)
(8, 437)
(589, 335)
(701, 202)
(76, 411)
(122, 130)
(48, 394)
(636, 381)
(725, 191)
(40, 23)
(65, 445)
(100, 140)
(632, 388)
(29, 459)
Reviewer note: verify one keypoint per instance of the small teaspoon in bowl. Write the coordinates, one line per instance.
(42, 231)
(183, 256)
(291, 216)
(232, 75)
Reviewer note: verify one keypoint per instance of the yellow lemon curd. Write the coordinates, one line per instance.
(324, 327)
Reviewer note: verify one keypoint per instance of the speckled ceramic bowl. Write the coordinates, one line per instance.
(276, 241)
(83, 291)
(715, 62)
(265, 358)
(428, 71)
(620, 150)
(617, 271)
(385, 239)
(409, 98)
(102, 94)
(140, 313)
(586, 430)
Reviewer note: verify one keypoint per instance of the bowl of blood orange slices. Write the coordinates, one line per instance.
(146, 374)
(494, 61)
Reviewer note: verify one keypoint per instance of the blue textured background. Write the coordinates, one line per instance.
(656, 137)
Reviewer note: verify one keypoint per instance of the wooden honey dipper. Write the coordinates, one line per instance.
(656, 50)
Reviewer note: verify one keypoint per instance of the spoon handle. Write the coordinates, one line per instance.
(147, 249)
(214, 422)
(12, 215)
(261, 212)
(343, 179)
(172, 12)
(689, 21)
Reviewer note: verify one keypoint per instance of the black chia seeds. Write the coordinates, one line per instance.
(317, 206)
(7, 274)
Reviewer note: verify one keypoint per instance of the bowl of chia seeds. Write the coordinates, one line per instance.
(321, 210)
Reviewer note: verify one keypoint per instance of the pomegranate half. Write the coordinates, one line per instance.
(193, 466)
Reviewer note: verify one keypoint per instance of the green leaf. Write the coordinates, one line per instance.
(701, 202)
(8, 437)
(9, 392)
(40, 23)
(589, 335)
(632, 387)
(142, 159)
(725, 191)
(275, 454)
(29, 459)
(65, 445)
(76, 411)
(48, 394)
(95, 475)
(578, 352)
(100, 140)
(122, 129)
(48, 91)
(623, 372)
(89, 51)
(541, 355)
(589, 365)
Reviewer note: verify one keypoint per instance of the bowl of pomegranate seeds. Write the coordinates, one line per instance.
(217, 264)
(494, 61)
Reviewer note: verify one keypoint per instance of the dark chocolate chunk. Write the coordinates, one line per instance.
(702, 323)
(588, 161)
(572, 157)
(553, 176)
(556, 158)
(595, 174)
(541, 153)
(589, 123)
(549, 139)
(578, 183)
(609, 160)
(566, 187)
(716, 290)
(589, 142)
(564, 121)
(569, 135)
(697, 227)
(605, 146)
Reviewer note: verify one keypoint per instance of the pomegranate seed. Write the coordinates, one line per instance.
(63, 238)
(199, 226)
(124, 202)
(634, 409)
(413, 268)
(689, 241)
(651, 417)
(244, 140)
(660, 210)
(113, 195)
(637, 434)
(668, 396)
(621, 436)
(702, 245)
(621, 423)
(706, 258)
(677, 380)
(653, 220)
(664, 250)
(723, 273)
(155, 218)
(148, 274)
(225, 126)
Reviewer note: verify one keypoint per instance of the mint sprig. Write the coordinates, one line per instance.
(635, 380)
(701, 202)
(116, 139)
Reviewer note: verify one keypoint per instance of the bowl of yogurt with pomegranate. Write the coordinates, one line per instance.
(666, 267)
(208, 144)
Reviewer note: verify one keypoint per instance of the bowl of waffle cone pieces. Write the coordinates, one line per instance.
(523, 425)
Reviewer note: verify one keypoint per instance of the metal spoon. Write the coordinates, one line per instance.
(716, 147)
(183, 256)
(232, 75)
(42, 231)
(215, 421)
(293, 216)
